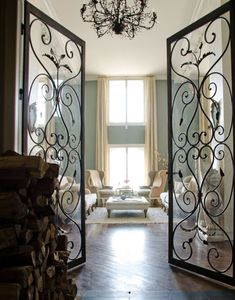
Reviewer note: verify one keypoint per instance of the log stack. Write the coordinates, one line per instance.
(33, 256)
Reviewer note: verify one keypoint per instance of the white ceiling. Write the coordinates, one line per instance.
(116, 56)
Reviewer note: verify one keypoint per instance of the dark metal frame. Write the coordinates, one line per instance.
(228, 7)
(31, 10)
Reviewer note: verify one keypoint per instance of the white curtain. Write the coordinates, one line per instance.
(150, 125)
(102, 156)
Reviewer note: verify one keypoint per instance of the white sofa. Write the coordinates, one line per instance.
(179, 191)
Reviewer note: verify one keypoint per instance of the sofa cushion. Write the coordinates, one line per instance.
(70, 179)
(144, 192)
(75, 187)
(178, 186)
(189, 184)
(105, 193)
(64, 184)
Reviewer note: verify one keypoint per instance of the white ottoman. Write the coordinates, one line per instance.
(133, 203)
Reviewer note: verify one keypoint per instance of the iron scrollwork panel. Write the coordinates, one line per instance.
(201, 145)
(54, 113)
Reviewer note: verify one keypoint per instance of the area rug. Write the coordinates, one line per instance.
(154, 215)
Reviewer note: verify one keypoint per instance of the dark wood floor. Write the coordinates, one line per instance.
(129, 260)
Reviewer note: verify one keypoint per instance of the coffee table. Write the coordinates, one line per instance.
(129, 203)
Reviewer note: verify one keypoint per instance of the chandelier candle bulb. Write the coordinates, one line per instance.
(116, 17)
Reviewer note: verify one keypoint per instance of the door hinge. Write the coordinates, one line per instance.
(21, 92)
(22, 28)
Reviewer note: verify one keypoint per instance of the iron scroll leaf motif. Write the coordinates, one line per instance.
(55, 88)
(201, 150)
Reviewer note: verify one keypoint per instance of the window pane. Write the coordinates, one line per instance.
(117, 101)
(117, 166)
(136, 166)
(135, 101)
(119, 171)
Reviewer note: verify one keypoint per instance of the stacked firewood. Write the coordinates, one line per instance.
(33, 256)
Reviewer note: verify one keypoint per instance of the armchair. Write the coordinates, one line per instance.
(94, 182)
(151, 176)
(155, 188)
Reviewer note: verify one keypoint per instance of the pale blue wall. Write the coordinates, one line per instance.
(162, 117)
(118, 134)
(129, 135)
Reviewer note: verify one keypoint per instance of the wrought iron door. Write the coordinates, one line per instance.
(54, 117)
(201, 146)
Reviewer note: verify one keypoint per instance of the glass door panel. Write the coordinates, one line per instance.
(201, 145)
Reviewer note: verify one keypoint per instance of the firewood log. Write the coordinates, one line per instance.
(46, 210)
(46, 236)
(17, 178)
(54, 232)
(52, 245)
(61, 296)
(68, 288)
(34, 223)
(41, 200)
(72, 291)
(35, 165)
(22, 275)
(45, 261)
(62, 242)
(36, 294)
(25, 236)
(52, 171)
(44, 186)
(7, 237)
(30, 292)
(11, 207)
(38, 280)
(18, 256)
(10, 291)
(50, 271)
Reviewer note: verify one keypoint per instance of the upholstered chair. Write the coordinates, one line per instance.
(159, 184)
(144, 189)
(153, 191)
(94, 182)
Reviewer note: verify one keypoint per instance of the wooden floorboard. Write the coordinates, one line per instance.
(132, 259)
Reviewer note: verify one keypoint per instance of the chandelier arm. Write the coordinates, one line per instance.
(97, 10)
(103, 25)
(103, 7)
(132, 23)
(93, 19)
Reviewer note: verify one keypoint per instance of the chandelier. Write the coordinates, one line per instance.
(115, 16)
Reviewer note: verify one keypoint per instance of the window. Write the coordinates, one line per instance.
(126, 101)
(126, 165)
